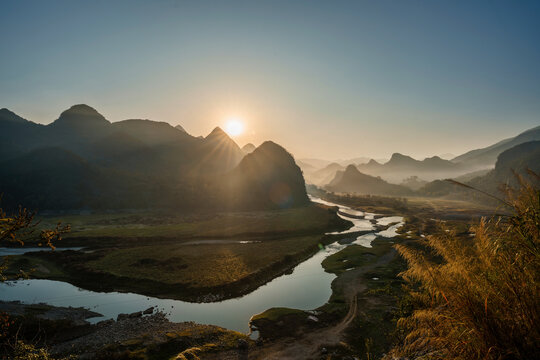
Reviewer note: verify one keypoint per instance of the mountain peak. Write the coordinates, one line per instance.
(351, 169)
(217, 132)
(6, 114)
(270, 146)
(272, 153)
(81, 113)
(82, 109)
(269, 177)
(398, 158)
(248, 148)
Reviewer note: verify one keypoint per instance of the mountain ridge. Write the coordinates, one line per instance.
(83, 161)
(488, 156)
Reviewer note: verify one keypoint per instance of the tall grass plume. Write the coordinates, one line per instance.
(477, 298)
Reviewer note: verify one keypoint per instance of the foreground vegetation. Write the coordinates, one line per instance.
(13, 229)
(477, 299)
(468, 292)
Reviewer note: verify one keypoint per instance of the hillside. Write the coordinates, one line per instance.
(83, 161)
(486, 157)
(323, 176)
(516, 160)
(266, 178)
(353, 181)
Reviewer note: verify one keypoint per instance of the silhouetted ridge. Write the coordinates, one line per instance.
(81, 113)
(82, 161)
(179, 127)
(400, 159)
(487, 156)
(223, 153)
(217, 133)
(8, 115)
(151, 132)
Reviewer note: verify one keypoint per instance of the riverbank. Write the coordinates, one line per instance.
(360, 319)
(148, 334)
(189, 268)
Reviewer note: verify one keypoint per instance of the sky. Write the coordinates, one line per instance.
(325, 79)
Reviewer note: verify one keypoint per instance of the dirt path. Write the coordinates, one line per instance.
(307, 346)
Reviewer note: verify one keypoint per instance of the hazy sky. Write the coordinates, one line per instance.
(332, 79)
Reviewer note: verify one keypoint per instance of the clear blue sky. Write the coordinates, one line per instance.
(332, 79)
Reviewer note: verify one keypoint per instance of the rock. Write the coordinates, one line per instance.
(313, 318)
(105, 323)
(135, 314)
(150, 310)
(324, 350)
(121, 317)
(242, 344)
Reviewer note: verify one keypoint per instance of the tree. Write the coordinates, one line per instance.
(15, 229)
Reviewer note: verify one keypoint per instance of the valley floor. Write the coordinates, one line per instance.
(359, 319)
(206, 258)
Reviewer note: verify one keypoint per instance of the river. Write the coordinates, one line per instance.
(306, 288)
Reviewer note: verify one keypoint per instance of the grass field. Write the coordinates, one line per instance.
(205, 265)
(309, 219)
(354, 256)
(189, 257)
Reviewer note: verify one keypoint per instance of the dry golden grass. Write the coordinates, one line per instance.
(477, 298)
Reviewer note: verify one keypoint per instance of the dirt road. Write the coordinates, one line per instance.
(308, 345)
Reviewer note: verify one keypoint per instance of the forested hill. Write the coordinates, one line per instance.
(83, 161)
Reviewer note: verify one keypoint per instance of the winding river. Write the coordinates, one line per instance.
(306, 288)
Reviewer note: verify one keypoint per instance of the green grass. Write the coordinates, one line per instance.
(308, 219)
(354, 256)
(274, 314)
(34, 267)
(200, 265)
(196, 340)
(149, 253)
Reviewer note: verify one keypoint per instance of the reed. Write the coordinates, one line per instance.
(477, 298)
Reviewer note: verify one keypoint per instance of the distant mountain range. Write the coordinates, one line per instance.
(82, 160)
(401, 167)
(487, 157)
(325, 175)
(511, 164)
(516, 160)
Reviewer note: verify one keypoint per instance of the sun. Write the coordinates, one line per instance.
(234, 126)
